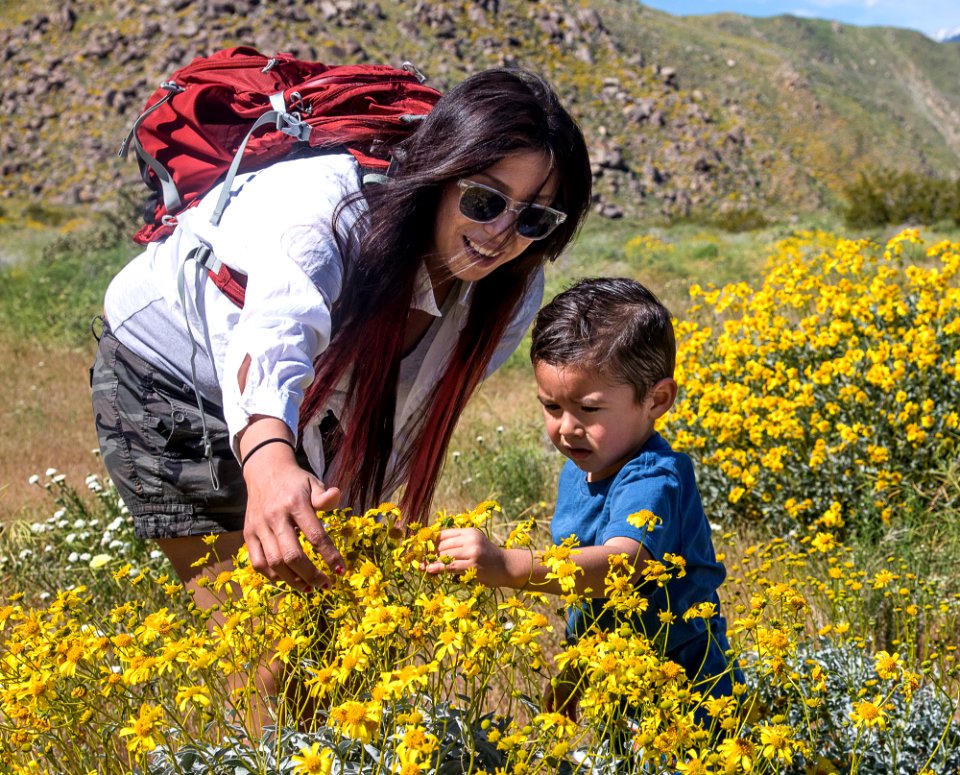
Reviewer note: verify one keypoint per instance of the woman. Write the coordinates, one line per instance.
(370, 317)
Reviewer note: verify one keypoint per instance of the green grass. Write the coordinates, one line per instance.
(55, 275)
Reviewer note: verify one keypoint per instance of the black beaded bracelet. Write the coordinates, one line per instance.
(276, 439)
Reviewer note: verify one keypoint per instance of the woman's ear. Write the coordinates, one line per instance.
(661, 396)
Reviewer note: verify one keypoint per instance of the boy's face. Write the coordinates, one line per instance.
(598, 424)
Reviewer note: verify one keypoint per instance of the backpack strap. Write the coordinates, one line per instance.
(288, 123)
(171, 195)
(200, 255)
(232, 284)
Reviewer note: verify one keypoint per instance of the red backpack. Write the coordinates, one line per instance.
(238, 111)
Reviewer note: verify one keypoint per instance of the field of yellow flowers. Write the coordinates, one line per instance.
(821, 410)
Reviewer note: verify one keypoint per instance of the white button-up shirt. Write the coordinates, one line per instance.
(278, 231)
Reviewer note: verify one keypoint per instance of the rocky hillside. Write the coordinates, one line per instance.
(683, 116)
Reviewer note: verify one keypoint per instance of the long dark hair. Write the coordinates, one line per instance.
(484, 119)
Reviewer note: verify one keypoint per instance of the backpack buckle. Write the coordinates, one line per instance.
(291, 124)
(415, 71)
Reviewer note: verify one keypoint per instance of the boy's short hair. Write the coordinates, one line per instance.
(612, 326)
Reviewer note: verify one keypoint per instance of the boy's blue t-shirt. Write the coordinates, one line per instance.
(662, 481)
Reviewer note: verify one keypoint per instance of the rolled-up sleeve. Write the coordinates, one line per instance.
(285, 324)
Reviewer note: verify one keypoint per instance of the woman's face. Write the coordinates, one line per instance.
(469, 250)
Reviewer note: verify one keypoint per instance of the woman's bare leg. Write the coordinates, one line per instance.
(183, 553)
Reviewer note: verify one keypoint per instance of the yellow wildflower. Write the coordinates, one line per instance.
(313, 761)
(142, 730)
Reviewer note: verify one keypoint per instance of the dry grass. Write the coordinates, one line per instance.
(507, 398)
(46, 422)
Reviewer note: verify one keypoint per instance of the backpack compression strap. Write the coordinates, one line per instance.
(288, 123)
(171, 195)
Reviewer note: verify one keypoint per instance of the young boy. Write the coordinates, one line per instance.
(603, 353)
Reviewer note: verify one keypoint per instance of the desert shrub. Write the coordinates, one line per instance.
(84, 532)
(872, 715)
(59, 298)
(883, 196)
(710, 250)
(740, 219)
(828, 394)
(734, 219)
(58, 291)
(44, 215)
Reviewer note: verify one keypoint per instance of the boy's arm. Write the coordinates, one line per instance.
(468, 548)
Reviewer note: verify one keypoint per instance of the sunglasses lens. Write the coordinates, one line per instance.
(535, 222)
(481, 204)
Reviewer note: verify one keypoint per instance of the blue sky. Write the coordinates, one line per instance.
(928, 16)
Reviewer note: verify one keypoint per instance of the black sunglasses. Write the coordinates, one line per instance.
(482, 204)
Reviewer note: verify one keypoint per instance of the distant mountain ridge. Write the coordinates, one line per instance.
(948, 35)
(682, 115)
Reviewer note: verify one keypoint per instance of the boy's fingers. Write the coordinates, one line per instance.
(443, 567)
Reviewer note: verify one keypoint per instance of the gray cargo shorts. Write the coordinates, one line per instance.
(151, 441)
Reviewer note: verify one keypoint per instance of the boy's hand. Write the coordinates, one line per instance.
(461, 549)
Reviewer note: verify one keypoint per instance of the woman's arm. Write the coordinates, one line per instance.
(463, 549)
(279, 232)
(282, 501)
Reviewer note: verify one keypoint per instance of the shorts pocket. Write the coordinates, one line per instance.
(173, 426)
(117, 410)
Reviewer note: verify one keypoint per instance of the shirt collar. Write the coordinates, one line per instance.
(424, 298)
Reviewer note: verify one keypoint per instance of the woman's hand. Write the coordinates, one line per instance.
(463, 549)
(282, 502)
